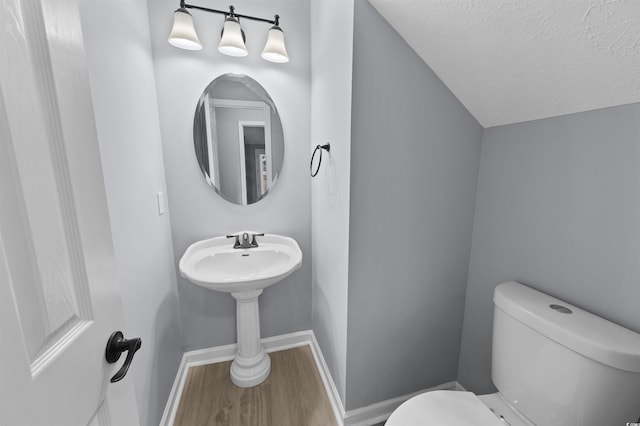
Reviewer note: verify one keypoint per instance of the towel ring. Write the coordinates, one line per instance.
(318, 148)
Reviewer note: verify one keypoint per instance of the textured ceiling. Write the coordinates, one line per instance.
(517, 60)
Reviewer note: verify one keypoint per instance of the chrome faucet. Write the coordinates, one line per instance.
(245, 244)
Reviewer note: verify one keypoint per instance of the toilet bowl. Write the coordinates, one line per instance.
(443, 407)
(553, 365)
(438, 408)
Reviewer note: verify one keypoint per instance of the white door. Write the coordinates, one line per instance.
(59, 299)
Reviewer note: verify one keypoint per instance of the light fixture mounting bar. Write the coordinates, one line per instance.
(231, 12)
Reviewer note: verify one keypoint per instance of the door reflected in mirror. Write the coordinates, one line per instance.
(238, 138)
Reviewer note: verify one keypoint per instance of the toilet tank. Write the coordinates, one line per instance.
(559, 365)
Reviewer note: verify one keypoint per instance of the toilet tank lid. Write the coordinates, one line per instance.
(580, 331)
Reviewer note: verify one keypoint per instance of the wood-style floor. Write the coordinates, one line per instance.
(292, 395)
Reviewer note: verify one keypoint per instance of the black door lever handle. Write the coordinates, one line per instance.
(115, 346)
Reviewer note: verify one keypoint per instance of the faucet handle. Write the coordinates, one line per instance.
(254, 243)
(237, 243)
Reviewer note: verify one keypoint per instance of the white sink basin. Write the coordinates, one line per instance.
(215, 264)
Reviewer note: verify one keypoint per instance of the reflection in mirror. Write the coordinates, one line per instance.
(238, 138)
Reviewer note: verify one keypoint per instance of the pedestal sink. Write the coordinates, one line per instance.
(244, 272)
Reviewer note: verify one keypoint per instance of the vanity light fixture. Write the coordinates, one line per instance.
(183, 33)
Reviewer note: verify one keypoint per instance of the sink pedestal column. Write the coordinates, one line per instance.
(251, 365)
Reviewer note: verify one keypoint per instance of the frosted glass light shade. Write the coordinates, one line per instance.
(232, 41)
(183, 34)
(274, 49)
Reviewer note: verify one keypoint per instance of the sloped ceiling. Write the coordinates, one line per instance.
(510, 61)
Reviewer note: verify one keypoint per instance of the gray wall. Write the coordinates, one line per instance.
(331, 26)
(197, 212)
(558, 208)
(414, 163)
(123, 90)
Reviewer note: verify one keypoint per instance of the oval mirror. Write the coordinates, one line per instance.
(238, 138)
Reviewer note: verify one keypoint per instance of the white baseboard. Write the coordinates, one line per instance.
(364, 416)
(227, 352)
(380, 411)
(460, 388)
(327, 379)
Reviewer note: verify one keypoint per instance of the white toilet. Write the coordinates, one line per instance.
(553, 364)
